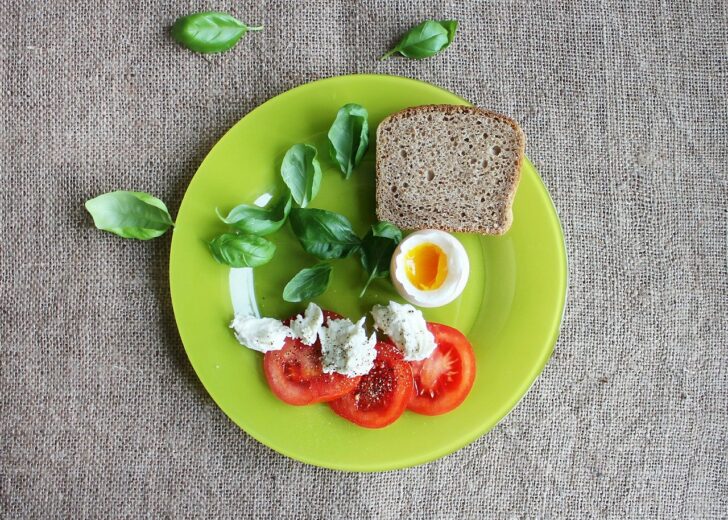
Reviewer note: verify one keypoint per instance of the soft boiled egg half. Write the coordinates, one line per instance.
(430, 268)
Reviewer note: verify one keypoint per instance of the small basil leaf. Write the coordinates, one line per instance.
(209, 31)
(425, 39)
(324, 234)
(302, 173)
(254, 220)
(130, 214)
(308, 283)
(349, 137)
(376, 251)
(242, 250)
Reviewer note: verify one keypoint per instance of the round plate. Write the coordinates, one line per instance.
(511, 309)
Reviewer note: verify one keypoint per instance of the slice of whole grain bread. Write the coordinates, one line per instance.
(448, 167)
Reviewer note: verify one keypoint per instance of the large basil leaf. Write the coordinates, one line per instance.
(376, 251)
(130, 214)
(425, 39)
(308, 283)
(255, 220)
(242, 250)
(349, 137)
(302, 173)
(324, 234)
(209, 31)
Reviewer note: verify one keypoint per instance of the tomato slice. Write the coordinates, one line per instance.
(443, 380)
(295, 373)
(382, 395)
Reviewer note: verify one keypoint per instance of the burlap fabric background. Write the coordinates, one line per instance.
(624, 105)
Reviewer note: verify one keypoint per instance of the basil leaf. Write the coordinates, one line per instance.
(254, 220)
(349, 137)
(425, 39)
(130, 214)
(302, 173)
(452, 27)
(324, 234)
(209, 31)
(242, 250)
(308, 283)
(376, 251)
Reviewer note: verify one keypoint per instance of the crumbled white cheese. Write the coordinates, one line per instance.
(346, 348)
(407, 328)
(306, 326)
(261, 334)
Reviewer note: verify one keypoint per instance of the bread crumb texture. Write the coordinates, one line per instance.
(448, 167)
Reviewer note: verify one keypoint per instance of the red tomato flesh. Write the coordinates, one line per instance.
(443, 380)
(295, 373)
(381, 395)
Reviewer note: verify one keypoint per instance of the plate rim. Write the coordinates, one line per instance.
(508, 406)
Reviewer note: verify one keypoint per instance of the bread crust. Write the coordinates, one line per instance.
(507, 216)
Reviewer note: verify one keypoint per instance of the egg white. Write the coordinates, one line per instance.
(458, 269)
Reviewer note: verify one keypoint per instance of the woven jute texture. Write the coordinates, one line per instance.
(624, 105)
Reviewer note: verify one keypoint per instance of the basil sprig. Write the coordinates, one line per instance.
(349, 137)
(130, 214)
(242, 250)
(250, 219)
(209, 31)
(324, 234)
(425, 39)
(308, 283)
(302, 173)
(376, 251)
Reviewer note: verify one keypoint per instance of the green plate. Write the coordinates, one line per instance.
(511, 309)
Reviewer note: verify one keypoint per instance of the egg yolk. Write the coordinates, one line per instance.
(426, 266)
